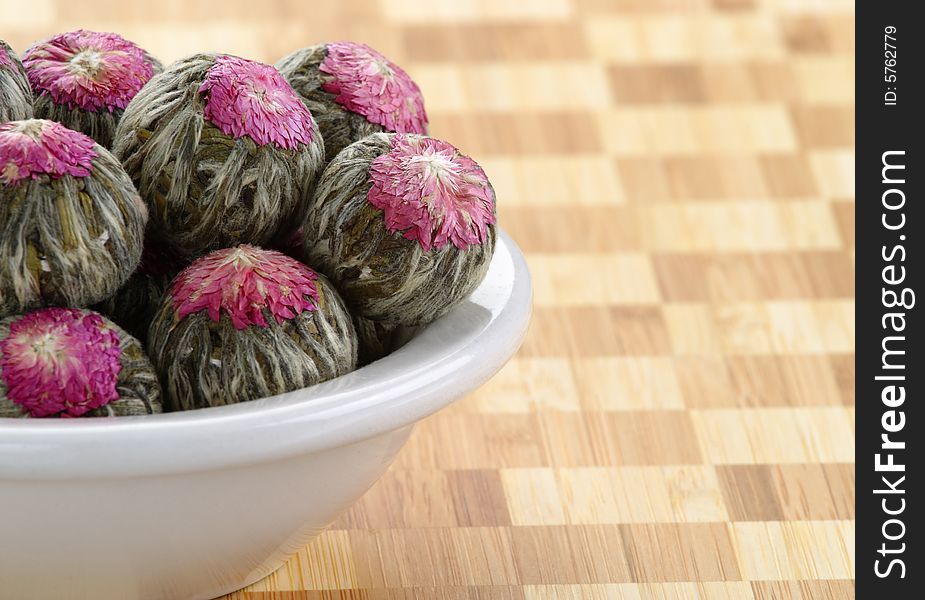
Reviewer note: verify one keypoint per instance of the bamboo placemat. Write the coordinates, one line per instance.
(679, 422)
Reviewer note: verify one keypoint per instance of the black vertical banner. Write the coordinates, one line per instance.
(890, 371)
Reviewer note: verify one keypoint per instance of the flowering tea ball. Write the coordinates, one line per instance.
(353, 91)
(15, 93)
(68, 362)
(71, 222)
(244, 323)
(403, 225)
(221, 149)
(85, 79)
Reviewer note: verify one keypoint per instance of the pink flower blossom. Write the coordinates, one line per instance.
(60, 362)
(431, 193)
(37, 147)
(245, 97)
(242, 281)
(366, 82)
(87, 69)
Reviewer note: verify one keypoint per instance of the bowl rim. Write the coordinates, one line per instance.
(447, 359)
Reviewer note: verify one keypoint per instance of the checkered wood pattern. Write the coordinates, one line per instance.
(679, 423)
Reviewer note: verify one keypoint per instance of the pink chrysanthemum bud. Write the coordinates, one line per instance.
(245, 97)
(68, 362)
(404, 225)
(87, 69)
(29, 149)
(60, 362)
(242, 282)
(353, 91)
(85, 79)
(244, 323)
(431, 193)
(366, 82)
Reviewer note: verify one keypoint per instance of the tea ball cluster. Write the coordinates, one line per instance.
(66, 362)
(85, 79)
(353, 91)
(221, 149)
(71, 222)
(404, 225)
(214, 158)
(244, 323)
(15, 93)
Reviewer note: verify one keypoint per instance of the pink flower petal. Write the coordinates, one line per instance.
(60, 362)
(36, 147)
(431, 193)
(248, 98)
(366, 82)
(243, 281)
(87, 69)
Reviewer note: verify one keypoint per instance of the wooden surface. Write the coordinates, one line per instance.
(679, 423)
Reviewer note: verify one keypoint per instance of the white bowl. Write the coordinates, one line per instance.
(198, 504)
